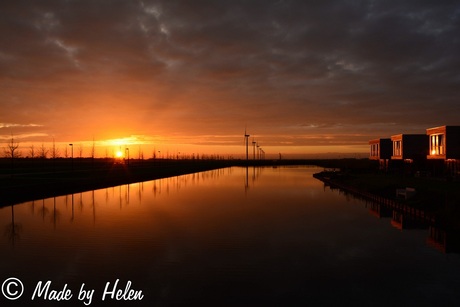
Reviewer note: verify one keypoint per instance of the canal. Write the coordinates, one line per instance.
(228, 237)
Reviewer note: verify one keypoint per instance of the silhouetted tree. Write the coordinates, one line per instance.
(93, 149)
(54, 150)
(32, 151)
(43, 151)
(80, 150)
(93, 152)
(12, 150)
(140, 153)
(54, 154)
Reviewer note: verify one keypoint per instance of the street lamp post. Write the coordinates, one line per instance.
(71, 146)
(127, 149)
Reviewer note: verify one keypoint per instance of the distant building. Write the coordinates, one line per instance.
(435, 153)
(409, 152)
(444, 142)
(409, 147)
(381, 150)
(444, 145)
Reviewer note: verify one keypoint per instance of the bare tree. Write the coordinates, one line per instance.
(93, 149)
(32, 151)
(140, 153)
(12, 149)
(43, 151)
(66, 152)
(54, 151)
(80, 150)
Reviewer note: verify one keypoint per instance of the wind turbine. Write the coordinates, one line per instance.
(246, 137)
(254, 148)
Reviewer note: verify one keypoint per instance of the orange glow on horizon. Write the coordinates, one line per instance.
(154, 146)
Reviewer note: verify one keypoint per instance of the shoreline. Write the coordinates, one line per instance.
(22, 187)
(32, 179)
(27, 179)
(443, 233)
(381, 200)
(435, 202)
(442, 224)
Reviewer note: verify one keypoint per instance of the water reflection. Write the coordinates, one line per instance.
(13, 229)
(438, 237)
(133, 196)
(403, 221)
(56, 213)
(255, 173)
(378, 210)
(445, 241)
(236, 236)
(57, 209)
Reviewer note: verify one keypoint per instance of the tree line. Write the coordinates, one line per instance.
(12, 150)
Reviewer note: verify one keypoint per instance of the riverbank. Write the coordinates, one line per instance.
(433, 197)
(38, 181)
(25, 179)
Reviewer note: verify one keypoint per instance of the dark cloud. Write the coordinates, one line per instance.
(302, 68)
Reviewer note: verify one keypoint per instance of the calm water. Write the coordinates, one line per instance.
(261, 237)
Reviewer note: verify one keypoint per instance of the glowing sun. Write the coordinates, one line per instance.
(119, 154)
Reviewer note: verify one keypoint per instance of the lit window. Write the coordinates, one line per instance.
(374, 150)
(397, 148)
(437, 144)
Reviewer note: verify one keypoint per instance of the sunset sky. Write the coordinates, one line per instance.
(302, 76)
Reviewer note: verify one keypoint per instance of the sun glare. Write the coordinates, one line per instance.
(119, 154)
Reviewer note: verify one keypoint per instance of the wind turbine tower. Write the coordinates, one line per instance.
(246, 137)
(254, 149)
